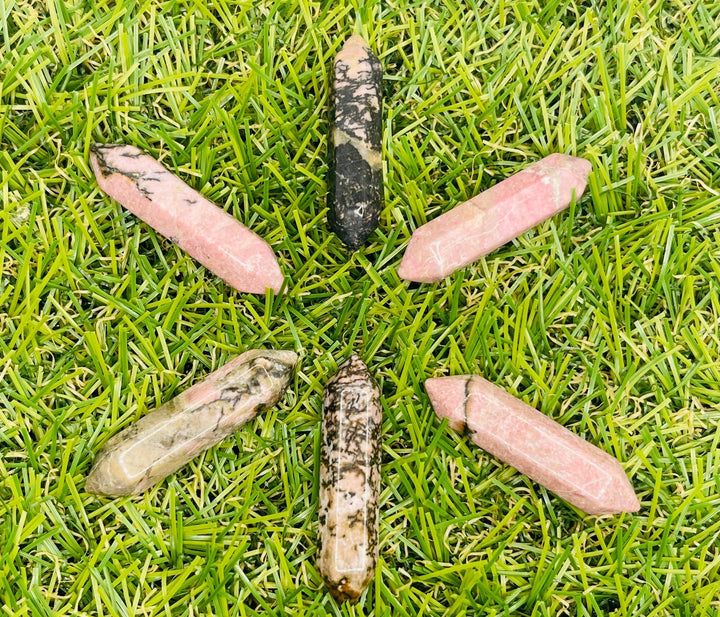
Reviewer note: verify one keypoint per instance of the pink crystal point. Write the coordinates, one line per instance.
(209, 234)
(532, 443)
(492, 218)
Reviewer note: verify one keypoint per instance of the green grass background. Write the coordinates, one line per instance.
(606, 318)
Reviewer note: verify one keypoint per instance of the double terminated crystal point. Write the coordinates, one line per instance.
(355, 144)
(492, 218)
(349, 481)
(532, 443)
(166, 439)
(209, 234)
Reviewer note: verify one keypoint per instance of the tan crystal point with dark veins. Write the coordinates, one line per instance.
(169, 437)
(534, 444)
(349, 481)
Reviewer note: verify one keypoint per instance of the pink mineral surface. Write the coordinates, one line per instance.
(534, 444)
(480, 225)
(209, 234)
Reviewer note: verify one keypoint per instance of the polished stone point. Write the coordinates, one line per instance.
(532, 443)
(349, 481)
(355, 182)
(164, 440)
(207, 233)
(480, 225)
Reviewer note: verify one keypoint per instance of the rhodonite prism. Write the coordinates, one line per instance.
(349, 481)
(209, 234)
(480, 225)
(355, 182)
(532, 443)
(166, 439)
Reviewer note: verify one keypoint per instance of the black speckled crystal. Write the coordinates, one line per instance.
(355, 144)
(349, 481)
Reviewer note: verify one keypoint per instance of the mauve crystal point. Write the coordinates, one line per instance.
(485, 222)
(206, 232)
(447, 397)
(534, 444)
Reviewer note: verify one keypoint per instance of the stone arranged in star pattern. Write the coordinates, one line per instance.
(209, 234)
(532, 443)
(349, 481)
(480, 225)
(164, 440)
(355, 181)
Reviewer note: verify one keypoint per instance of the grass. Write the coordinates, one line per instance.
(607, 317)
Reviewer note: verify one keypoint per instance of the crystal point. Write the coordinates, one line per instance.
(480, 225)
(355, 187)
(534, 444)
(209, 234)
(349, 481)
(166, 439)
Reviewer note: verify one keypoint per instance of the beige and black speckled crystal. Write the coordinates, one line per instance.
(355, 144)
(349, 481)
(166, 439)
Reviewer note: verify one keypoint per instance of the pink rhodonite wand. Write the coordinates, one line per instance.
(532, 443)
(492, 218)
(209, 234)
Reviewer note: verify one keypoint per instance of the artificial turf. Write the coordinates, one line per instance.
(606, 318)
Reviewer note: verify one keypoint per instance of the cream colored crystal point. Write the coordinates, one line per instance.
(349, 481)
(166, 439)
